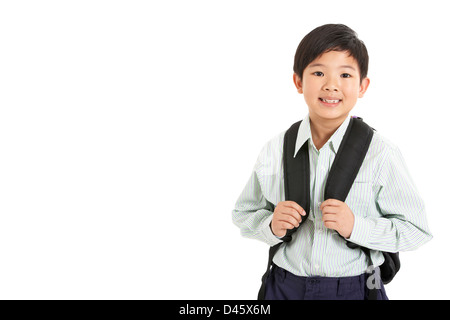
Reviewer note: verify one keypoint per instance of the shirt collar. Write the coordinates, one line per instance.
(304, 134)
(337, 136)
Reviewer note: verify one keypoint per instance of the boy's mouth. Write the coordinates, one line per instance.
(331, 101)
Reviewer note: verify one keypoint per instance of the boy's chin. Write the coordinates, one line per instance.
(329, 115)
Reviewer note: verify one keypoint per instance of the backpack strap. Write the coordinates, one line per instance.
(345, 167)
(295, 189)
(296, 174)
(348, 160)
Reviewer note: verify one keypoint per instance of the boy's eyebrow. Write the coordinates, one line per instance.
(315, 65)
(348, 66)
(321, 65)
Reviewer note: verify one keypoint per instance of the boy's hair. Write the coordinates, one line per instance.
(331, 37)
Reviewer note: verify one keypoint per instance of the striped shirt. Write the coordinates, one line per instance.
(389, 213)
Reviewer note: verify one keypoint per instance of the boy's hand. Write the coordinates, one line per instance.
(287, 215)
(337, 215)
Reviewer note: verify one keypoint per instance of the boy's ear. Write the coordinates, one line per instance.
(298, 83)
(363, 87)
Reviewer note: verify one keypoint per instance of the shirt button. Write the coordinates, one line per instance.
(317, 266)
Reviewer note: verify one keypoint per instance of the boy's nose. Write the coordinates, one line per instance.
(331, 87)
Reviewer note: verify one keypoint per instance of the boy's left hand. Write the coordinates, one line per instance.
(337, 215)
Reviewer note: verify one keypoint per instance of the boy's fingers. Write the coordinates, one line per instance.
(330, 210)
(330, 202)
(330, 225)
(286, 225)
(285, 222)
(296, 220)
(329, 217)
(292, 212)
(289, 219)
(296, 206)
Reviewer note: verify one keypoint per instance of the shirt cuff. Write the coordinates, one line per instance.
(362, 229)
(271, 239)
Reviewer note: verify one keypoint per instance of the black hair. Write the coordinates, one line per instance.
(331, 37)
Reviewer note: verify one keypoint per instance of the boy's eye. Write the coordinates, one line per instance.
(345, 75)
(318, 73)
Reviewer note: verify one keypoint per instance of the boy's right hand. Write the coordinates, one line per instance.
(287, 215)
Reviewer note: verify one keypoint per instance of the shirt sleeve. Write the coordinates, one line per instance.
(401, 223)
(253, 212)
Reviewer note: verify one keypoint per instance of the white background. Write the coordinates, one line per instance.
(129, 128)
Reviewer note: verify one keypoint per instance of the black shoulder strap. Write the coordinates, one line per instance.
(348, 160)
(296, 188)
(296, 174)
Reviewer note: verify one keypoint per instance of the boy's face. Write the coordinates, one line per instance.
(331, 86)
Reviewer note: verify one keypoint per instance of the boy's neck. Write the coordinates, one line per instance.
(321, 131)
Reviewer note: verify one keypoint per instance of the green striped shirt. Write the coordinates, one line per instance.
(389, 213)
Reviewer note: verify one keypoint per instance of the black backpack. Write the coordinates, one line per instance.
(345, 167)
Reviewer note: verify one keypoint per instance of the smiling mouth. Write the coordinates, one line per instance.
(330, 101)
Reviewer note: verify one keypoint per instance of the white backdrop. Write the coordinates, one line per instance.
(129, 128)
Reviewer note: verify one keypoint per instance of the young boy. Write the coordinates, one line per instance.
(383, 210)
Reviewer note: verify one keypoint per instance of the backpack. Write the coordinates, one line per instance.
(345, 167)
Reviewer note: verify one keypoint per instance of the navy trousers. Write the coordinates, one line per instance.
(283, 285)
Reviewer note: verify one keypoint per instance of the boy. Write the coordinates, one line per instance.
(383, 210)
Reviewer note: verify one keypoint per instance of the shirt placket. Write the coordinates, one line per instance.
(320, 232)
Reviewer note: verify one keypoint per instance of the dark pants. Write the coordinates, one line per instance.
(283, 285)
